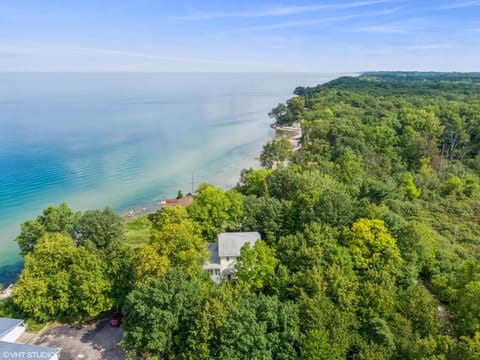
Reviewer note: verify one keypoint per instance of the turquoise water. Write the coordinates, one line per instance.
(125, 140)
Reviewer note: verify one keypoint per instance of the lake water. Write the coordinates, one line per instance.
(124, 140)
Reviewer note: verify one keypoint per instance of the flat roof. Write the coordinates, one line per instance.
(8, 324)
(229, 244)
(14, 350)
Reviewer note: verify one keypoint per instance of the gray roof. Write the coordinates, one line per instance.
(41, 352)
(8, 324)
(213, 249)
(229, 244)
(214, 261)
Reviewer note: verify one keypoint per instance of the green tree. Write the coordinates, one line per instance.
(53, 219)
(409, 187)
(327, 330)
(253, 182)
(296, 106)
(60, 280)
(158, 315)
(203, 337)
(453, 185)
(182, 245)
(276, 152)
(418, 307)
(259, 327)
(466, 306)
(148, 264)
(31, 231)
(263, 214)
(59, 219)
(256, 266)
(179, 194)
(216, 210)
(281, 114)
(118, 258)
(99, 228)
(168, 215)
(43, 288)
(90, 287)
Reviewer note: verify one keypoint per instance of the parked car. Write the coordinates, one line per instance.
(115, 321)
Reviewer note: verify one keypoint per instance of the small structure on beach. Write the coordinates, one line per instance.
(183, 201)
(225, 252)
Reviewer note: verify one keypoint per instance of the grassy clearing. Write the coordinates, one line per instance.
(137, 231)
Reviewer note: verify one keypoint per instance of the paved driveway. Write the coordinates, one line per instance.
(88, 342)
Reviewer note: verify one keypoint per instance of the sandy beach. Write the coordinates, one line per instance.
(293, 133)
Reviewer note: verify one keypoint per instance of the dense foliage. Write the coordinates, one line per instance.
(75, 264)
(370, 239)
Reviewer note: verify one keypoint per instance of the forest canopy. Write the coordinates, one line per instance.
(370, 239)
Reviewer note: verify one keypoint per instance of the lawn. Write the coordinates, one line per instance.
(137, 231)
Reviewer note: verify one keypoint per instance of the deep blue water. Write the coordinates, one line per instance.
(124, 140)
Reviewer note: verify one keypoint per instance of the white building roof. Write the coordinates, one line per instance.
(8, 324)
(229, 244)
(15, 350)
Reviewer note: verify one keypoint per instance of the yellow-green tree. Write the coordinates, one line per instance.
(148, 264)
(409, 187)
(182, 244)
(169, 215)
(216, 210)
(61, 280)
(371, 246)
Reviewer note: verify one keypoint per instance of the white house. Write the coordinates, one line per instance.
(225, 252)
(10, 331)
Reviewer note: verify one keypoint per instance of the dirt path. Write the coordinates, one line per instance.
(442, 312)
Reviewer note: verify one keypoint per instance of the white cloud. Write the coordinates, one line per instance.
(432, 46)
(379, 29)
(282, 10)
(104, 58)
(306, 23)
(460, 5)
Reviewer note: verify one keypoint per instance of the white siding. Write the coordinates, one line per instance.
(227, 264)
(13, 334)
(214, 275)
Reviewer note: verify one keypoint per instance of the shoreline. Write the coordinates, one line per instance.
(295, 131)
(9, 273)
(139, 210)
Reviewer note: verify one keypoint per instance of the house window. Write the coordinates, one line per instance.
(228, 258)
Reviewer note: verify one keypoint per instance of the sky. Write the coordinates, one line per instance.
(239, 36)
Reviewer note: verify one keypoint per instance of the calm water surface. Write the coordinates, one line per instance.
(124, 140)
